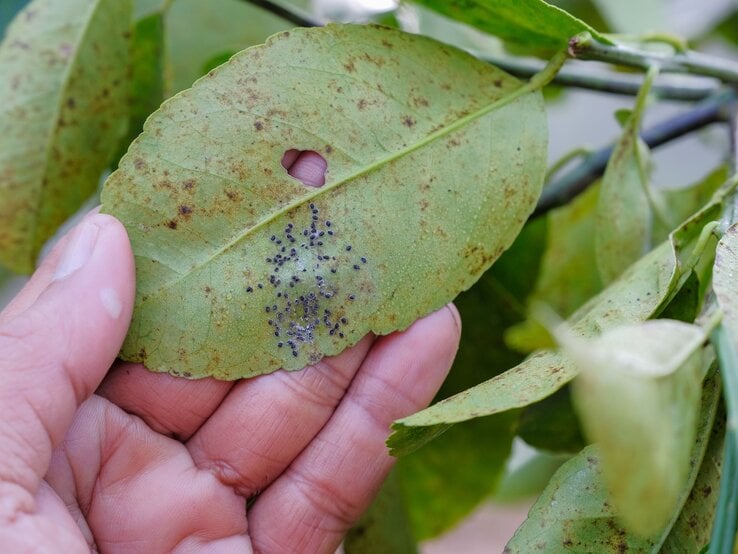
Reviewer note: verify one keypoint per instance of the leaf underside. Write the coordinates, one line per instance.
(432, 170)
(63, 104)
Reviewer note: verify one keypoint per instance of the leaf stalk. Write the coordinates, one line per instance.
(585, 47)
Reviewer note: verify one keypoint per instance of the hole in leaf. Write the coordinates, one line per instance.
(307, 166)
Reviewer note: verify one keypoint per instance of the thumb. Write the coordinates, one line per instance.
(55, 352)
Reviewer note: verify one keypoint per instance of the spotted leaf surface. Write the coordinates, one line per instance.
(639, 294)
(63, 104)
(434, 161)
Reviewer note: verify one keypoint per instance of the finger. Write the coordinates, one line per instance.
(175, 406)
(170, 405)
(39, 280)
(325, 490)
(265, 422)
(139, 491)
(55, 352)
(308, 167)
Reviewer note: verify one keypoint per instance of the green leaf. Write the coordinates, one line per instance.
(147, 73)
(638, 397)
(530, 479)
(432, 171)
(552, 425)
(645, 289)
(682, 203)
(198, 31)
(634, 297)
(568, 275)
(384, 527)
(63, 97)
(575, 513)
(685, 305)
(691, 532)
(446, 479)
(524, 22)
(622, 233)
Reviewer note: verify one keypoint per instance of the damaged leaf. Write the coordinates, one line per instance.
(63, 94)
(241, 269)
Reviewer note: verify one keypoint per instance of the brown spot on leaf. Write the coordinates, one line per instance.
(185, 211)
(362, 104)
(189, 184)
(233, 196)
(139, 164)
(172, 224)
(408, 121)
(349, 66)
(258, 125)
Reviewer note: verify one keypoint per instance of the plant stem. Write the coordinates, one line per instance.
(624, 84)
(564, 189)
(291, 15)
(583, 46)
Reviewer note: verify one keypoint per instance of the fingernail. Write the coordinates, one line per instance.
(78, 250)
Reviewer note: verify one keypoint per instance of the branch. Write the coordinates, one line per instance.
(610, 83)
(290, 15)
(560, 191)
(584, 47)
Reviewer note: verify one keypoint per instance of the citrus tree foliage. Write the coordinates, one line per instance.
(435, 188)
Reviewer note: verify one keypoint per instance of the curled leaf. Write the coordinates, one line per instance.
(638, 397)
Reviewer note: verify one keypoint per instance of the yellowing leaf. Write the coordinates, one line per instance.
(638, 396)
(63, 102)
(575, 514)
(432, 170)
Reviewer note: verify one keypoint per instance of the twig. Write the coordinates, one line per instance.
(290, 15)
(562, 190)
(584, 47)
(610, 83)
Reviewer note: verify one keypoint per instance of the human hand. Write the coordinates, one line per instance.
(152, 463)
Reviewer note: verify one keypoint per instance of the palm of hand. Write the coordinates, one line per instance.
(151, 463)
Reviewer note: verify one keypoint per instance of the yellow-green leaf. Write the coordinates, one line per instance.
(63, 102)
(575, 513)
(432, 169)
(638, 397)
(622, 233)
(641, 292)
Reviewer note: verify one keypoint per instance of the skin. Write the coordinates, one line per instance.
(105, 456)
